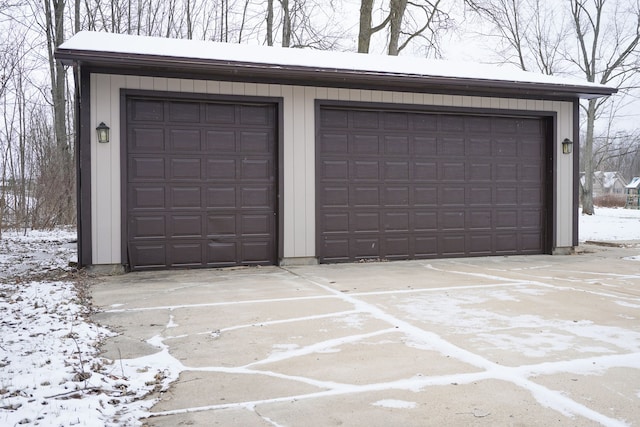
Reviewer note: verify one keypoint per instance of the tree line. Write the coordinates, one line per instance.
(595, 40)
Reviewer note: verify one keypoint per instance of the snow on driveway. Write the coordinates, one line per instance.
(50, 370)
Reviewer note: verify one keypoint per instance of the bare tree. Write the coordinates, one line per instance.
(607, 40)
(406, 21)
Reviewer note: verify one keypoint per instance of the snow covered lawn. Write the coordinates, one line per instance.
(610, 224)
(50, 370)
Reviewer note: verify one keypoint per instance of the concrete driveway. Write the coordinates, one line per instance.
(536, 340)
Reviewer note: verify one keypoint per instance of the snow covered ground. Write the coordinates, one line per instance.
(610, 224)
(50, 370)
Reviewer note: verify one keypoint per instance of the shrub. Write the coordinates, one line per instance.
(610, 201)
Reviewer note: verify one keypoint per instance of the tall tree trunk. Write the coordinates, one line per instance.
(587, 195)
(286, 23)
(270, 23)
(396, 13)
(364, 35)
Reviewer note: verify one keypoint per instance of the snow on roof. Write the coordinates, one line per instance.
(322, 60)
(635, 183)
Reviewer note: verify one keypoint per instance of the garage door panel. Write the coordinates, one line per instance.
(146, 110)
(451, 196)
(204, 196)
(425, 196)
(439, 185)
(257, 115)
(365, 144)
(257, 225)
(397, 247)
(220, 114)
(451, 171)
(148, 254)
(506, 196)
(452, 245)
(146, 168)
(185, 225)
(505, 147)
(396, 222)
(396, 144)
(186, 197)
(365, 222)
(479, 146)
(366, 120)
(145, 139)
(451, 220)
(221, 169)
(334, 169)
(425, 247)
(397, 196)
(425, 171)
(185, 169)
(479, 172)
(424, 145)
(185, 254)
(365, 196)
(334, 142)
(221, 141)
(221, 225)
(365, 170)
(451, 146)
(479, 196)
(335, 197)
(148, 226)
(184, 139)
(365, 247)
(256, 252)
(335, 223)
(425, 221)
(222, 254)
(395, 121)
(256, 142)
(396, 170)
(257, 197)
(221, 197)
(145, 197)
(184, 112)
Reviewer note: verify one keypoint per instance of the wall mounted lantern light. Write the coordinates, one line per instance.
(567, 146)
(103, 132)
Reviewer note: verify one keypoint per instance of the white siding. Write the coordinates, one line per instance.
(298, 151)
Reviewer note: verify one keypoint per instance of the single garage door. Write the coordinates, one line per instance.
(201, 183)
(412, 185)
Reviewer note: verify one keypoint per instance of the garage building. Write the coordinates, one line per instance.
(223, 155)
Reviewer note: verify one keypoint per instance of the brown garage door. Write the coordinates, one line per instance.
(201, 183)
(410, 185)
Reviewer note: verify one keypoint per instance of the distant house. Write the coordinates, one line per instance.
(633, 194)
(606, 183)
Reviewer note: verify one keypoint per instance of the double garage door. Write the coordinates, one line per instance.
(411, 185)
(201, 184)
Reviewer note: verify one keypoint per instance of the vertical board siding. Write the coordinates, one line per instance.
(299, 151)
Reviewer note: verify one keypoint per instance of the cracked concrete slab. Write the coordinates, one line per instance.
(529, 340)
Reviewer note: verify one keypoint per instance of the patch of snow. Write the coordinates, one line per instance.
(395, 404)
(610, 224)
(50, 369)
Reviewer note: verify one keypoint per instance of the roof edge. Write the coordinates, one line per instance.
(295, 74)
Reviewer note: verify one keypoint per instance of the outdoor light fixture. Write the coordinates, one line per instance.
(567, 146)
(103, 132)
